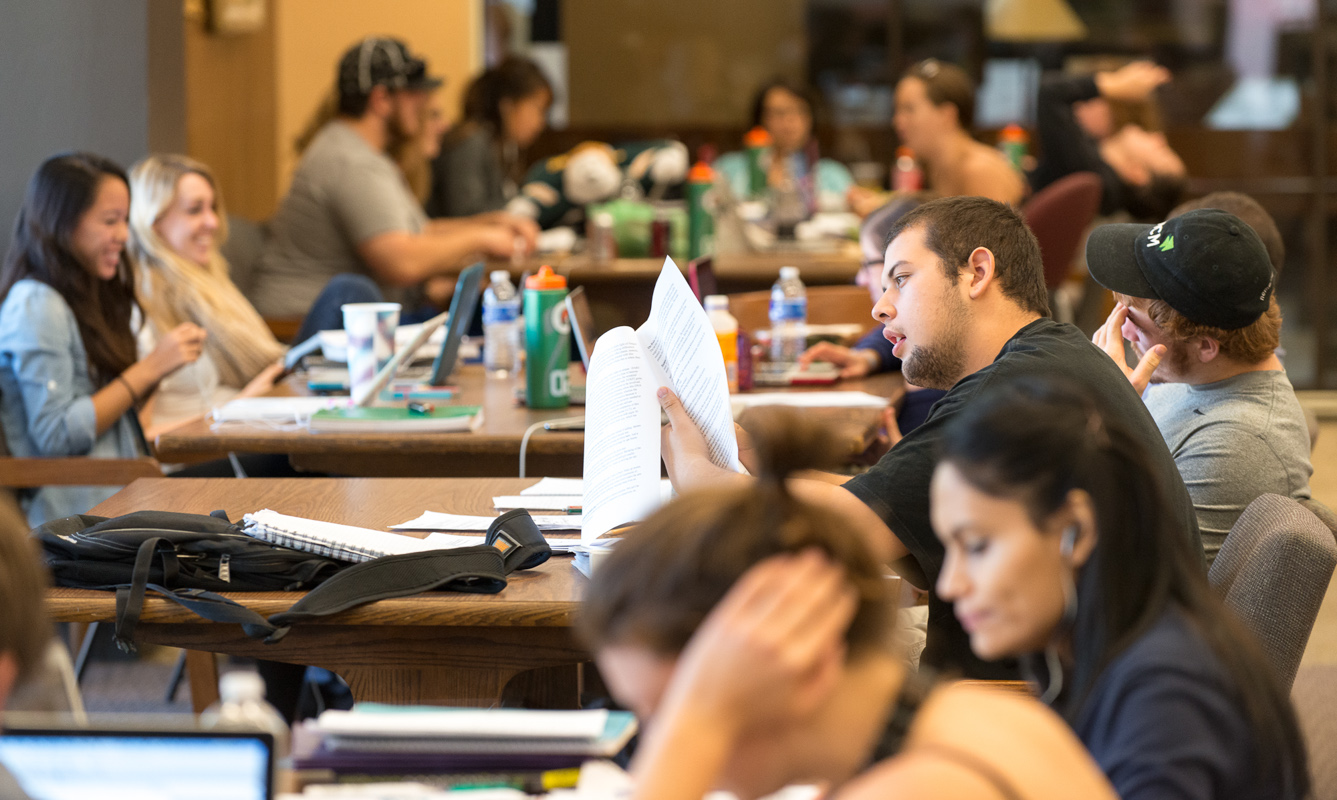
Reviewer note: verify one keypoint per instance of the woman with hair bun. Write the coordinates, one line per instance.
(752, 633)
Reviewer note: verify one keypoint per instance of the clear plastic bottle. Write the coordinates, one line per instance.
(789, 317)
(726, 331)
(501, 325)
(242, 704)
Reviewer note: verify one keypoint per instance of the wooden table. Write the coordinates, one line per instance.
(437, 648)
(491, 451)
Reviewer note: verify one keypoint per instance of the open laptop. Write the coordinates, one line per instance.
(582, 324)
(131, 757)
(462, 304)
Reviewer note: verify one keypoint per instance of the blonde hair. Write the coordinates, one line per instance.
(173, 290)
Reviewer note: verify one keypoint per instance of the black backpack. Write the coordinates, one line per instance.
(188, 558)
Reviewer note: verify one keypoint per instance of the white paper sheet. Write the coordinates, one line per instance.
(465, 723)
(808, 400)
(439, 521)
(547, 486)
(552, 502)
(276, 409)
(685, 356)
(621, 435)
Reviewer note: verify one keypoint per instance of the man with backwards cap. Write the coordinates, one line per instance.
(349, 209)
(1195, 300)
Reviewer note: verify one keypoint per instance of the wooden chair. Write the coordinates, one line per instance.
(827, 305)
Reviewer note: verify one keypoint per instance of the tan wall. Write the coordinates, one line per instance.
(689, 62)
(249, 96)
(312, 34)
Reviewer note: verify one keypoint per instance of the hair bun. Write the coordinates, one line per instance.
(787, 441)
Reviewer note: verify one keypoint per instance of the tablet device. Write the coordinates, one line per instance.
(55, 759)
(462, 307)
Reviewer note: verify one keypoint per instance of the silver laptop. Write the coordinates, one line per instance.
(139, 757)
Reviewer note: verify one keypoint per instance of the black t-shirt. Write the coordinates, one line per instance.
(897, 487)
(1064, 147)
(1164, 720)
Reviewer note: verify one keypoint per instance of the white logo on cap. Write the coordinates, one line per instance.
(1154, 235)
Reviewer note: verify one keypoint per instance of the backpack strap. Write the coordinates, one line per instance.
(513, 542)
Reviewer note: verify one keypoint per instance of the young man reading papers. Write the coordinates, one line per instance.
(965, 306)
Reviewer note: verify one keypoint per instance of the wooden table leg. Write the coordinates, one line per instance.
(202, 672)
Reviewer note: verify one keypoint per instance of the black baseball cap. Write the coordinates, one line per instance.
(1206, 264)
(380, 61)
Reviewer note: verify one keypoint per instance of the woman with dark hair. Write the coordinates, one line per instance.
(1061, 549)
(786, 111)
(752, 632)
(505, 110)
(70, 378)
(935, 111)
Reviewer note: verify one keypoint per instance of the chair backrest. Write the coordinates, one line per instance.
(1273, 571)
(243, 248)
(1059, 215)
(827, 305)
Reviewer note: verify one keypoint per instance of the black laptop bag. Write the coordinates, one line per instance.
(189, 558)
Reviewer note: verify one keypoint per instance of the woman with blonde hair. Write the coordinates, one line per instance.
(176, 224)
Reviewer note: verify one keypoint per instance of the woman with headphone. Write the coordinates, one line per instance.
(1061, 551)
(752, 633)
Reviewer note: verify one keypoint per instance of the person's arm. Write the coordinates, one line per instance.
(687, 459)
(523, 227)
(1064, 146)
(854, 362)
(400, 258)
(182, 345)
(770, 653)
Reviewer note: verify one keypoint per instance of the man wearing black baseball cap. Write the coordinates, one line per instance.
(349, 209)
(1195, 301)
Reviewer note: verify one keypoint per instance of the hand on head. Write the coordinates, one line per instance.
(1110, 339)
(773, 648)
(1133, 82)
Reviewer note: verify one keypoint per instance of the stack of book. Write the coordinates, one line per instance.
(457, 746)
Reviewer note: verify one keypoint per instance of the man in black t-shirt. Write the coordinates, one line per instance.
(965, 306)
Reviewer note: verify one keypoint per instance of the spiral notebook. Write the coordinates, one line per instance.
(344, 542)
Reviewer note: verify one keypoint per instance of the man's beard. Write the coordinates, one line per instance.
(1174, 365)
(395, 135)
(942, 364)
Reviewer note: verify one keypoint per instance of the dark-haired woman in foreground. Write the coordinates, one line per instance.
(1060, 549)
(752, 633)
(70, 379)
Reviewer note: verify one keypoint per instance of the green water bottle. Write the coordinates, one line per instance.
(755, 143)
(700, 225)
(547, 340)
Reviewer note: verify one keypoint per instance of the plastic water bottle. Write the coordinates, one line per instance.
(789, 317)
(242, 705)
(501, 325)
(726, 331)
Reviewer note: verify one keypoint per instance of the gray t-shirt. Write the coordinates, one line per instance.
(343, 193)
(1233, 440)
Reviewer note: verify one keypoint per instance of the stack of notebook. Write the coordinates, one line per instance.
(382, 740)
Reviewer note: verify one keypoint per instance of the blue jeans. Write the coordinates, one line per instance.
(327, 314)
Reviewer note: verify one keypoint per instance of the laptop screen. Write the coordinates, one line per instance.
(78, 764)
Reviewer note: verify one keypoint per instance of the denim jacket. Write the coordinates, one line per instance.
(46, 397)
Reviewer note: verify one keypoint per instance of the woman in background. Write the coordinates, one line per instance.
(935, 110)
(786, 110)
(1061, 550)
(177, 222)
(752, 634)
(70, 374)
(479, 168)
